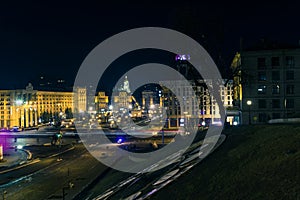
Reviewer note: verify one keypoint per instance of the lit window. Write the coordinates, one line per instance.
(261, 89)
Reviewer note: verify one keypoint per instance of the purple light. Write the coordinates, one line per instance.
(182, 57)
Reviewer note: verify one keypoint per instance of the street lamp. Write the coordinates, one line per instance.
(249, 103)
(19, 102)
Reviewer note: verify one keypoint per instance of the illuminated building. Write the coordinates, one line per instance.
(236, 109)
(148, 98)
(91, 104)
(101, 101)
(196, 102)
(80, 99)
(194, 99)
(237, 82)
(6, 110)
(25, 108)
(122, 98)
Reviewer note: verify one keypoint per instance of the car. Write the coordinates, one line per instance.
(4, 130)
(15, 129)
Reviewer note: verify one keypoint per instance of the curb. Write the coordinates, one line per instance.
(20, 166)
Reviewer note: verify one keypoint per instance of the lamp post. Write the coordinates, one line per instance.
(249, 103)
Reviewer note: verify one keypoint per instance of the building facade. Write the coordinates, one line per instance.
(270, 84)
(101, 101)
(196, 102)
(25, 108)
(122, 98)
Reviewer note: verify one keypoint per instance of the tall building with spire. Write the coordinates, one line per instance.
(122, 98)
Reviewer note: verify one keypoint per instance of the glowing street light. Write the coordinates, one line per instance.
(19, 102)
(249, 103)
(152, 106)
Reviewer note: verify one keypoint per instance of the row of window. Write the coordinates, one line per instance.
(275, 62)
(289, 89)
(54, 96)
(2, 99)
(53, 99)
(61, 103)
(262, 75)
(275, 103)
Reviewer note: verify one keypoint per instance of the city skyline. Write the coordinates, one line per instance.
(149, 100)
(50, 39)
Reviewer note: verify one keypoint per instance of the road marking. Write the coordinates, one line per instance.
(18, 167)
(61, 152)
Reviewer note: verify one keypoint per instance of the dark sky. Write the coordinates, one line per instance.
(52, 39)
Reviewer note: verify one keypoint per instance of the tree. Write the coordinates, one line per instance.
(69, 114)
(46, 116)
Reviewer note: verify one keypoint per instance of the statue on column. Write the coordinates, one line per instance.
(126, 85)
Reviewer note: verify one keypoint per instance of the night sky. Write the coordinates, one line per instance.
(52, 39)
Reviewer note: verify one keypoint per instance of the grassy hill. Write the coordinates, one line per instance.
(255, 162)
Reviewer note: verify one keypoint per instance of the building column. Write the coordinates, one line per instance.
(26, 115)
(160, 102)
(5, 120)
(31, 117)
(143, 102)
(22, 112)
(35, 118)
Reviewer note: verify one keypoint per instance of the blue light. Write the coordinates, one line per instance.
(120, 140)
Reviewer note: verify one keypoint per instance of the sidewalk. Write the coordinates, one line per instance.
(12, 158)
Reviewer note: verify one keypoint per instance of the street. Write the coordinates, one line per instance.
(69, 171)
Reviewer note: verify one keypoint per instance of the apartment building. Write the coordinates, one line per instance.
(196, 102)
(270, 83)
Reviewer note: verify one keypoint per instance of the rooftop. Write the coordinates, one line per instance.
(266, 44)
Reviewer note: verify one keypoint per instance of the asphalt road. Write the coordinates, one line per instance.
(46, 178)
(49, 177)
(120, 185)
